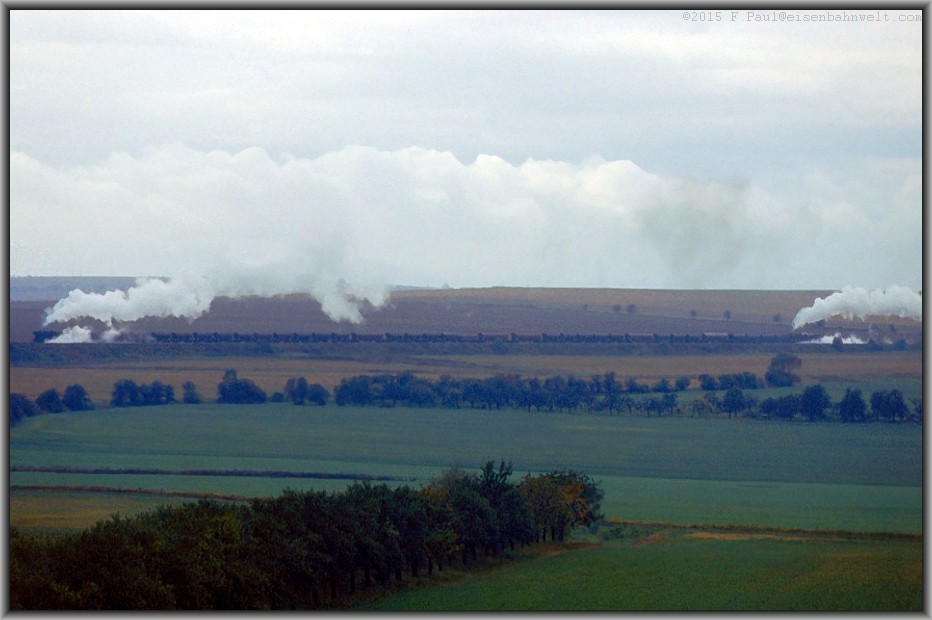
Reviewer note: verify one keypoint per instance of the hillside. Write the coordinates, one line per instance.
(496, 311)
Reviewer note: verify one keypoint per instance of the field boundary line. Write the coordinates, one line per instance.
(731, 528)
(207, 472)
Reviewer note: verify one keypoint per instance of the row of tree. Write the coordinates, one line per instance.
(813, 404)
(566, 394)
(300, 550)
(75, 398)
(600, 394)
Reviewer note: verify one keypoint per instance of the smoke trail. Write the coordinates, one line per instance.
(190, 296)
(185, 297)
(853, 302)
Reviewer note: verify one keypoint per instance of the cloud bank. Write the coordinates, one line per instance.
(418, 216)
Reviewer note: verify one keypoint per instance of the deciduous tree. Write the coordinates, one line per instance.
(50, 401)
(76, 398)
(852, 407)
(815, 401)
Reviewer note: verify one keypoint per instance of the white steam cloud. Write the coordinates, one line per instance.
(855, 302)
(72, 335)
(190, 297)
(852, 339)
(79, 334)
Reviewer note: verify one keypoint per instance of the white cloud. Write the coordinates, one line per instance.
(622, 148)
(418, 216)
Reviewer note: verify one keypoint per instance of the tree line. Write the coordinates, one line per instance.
(603, 394)
(301, 550)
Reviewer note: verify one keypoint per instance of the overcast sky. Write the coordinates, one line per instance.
(469, 148)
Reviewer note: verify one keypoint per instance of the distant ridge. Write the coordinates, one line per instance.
(53, 288)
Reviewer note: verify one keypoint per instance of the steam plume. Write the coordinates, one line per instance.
(853, 302)
(78, 334)
(190, 296)
(73, 334)
(852, 339)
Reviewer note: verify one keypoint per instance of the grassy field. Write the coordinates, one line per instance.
(828, 476)
(54, 511)
(711, 505)
(698, 571)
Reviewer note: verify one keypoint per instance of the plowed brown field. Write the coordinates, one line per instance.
(272, 373)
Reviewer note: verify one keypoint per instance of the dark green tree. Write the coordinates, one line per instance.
(512, 520)
(410, 517)
(296, 390)
(814, 402)
(76, 398)
(50, 401)
(317, 394)
(733, 402)
(783, 408)
(157, 393)
(190, 395)
(233, 390)
(780, 373)
(852, 407)
(888, 405)
(21, 408)
(354, 391)
(126, 394)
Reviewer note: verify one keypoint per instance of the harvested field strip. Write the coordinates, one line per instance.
(207, 472)
(155, 492)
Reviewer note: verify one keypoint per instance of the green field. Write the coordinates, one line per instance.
(675, 571)
(679, 470)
